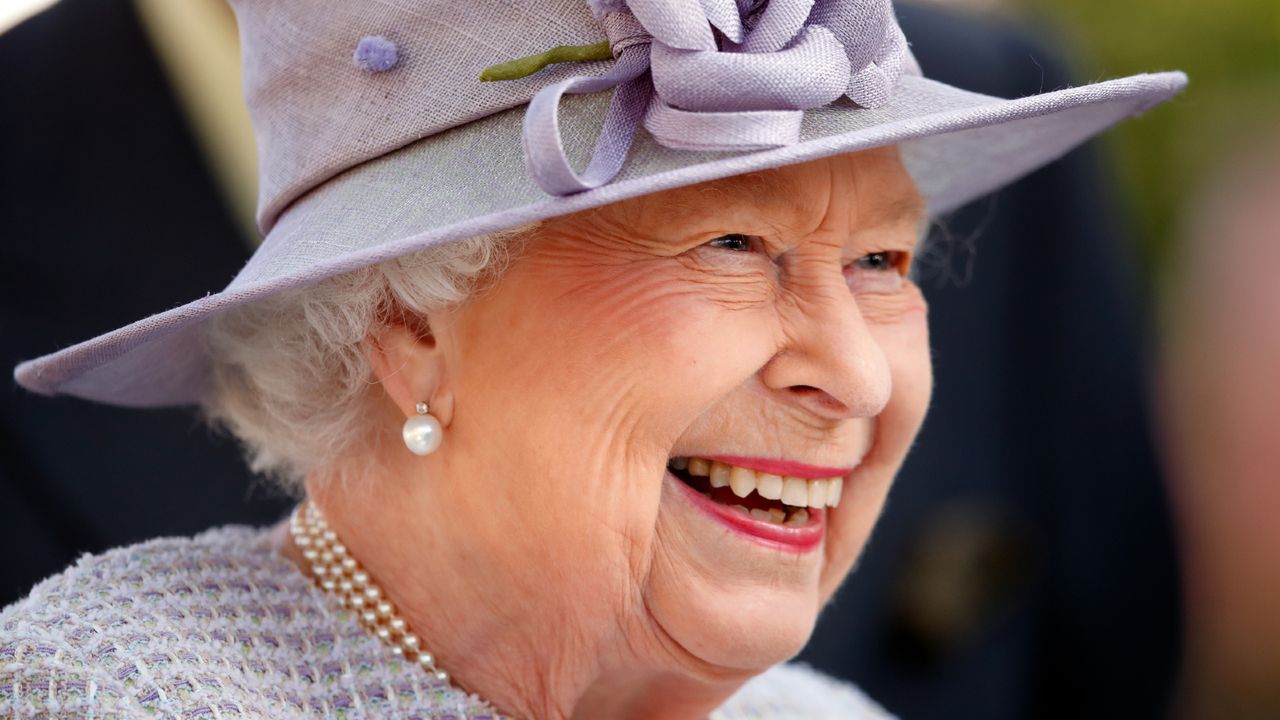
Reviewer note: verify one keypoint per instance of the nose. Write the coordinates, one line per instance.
(830, 364)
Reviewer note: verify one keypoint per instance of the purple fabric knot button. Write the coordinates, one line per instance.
(375, 54)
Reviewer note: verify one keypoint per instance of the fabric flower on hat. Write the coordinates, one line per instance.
(718, 75)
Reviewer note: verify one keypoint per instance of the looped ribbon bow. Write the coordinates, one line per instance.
(719, 75)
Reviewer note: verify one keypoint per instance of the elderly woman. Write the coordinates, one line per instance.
(568, 444)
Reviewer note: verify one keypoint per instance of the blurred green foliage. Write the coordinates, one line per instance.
(1231, 51)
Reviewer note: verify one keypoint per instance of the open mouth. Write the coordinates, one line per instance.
(766, 497)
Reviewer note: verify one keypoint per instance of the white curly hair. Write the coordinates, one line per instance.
(291, 377)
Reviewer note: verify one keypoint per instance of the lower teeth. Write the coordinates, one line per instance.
(796, 518)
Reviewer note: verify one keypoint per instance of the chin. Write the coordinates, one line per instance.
(732, 625)
(737, 593)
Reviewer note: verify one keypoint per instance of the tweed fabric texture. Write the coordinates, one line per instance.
(360, 167)
(218, 626)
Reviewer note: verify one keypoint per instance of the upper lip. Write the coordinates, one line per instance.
(778, 466)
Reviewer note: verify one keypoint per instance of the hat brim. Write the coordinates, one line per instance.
(472, 179)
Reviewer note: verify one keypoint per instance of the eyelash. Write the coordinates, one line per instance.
(883, 261)
(743, 240)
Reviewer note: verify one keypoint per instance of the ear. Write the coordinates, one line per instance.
(410, 367)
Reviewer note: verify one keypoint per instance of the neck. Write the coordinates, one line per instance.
(654, 696)
(533, 660)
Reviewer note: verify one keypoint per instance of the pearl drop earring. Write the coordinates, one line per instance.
(422, 432)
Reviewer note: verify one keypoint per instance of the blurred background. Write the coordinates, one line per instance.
(1090, 523)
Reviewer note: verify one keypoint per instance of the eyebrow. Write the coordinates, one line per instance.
(763, 187)
(912, 208)
(758, 187)
(784, 189)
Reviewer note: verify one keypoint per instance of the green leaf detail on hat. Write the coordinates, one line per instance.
(526, 66)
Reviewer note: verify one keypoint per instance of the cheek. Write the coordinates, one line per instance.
(907, 345)
(899, 322)
(583, 387)
(640, 348)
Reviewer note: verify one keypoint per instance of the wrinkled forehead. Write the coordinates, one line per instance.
(876, 189)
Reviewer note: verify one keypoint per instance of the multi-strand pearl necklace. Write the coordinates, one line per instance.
(337, 572)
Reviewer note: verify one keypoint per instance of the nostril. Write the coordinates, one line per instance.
(822, 398)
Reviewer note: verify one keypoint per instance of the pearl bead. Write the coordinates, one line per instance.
(337, 572)
(422, 434)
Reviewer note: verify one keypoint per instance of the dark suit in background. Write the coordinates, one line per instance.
(1024, 565)
(107, 214)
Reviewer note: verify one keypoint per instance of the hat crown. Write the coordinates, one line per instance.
(315, 112)
(332, 85)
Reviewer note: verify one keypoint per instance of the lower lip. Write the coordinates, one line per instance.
(804, 539)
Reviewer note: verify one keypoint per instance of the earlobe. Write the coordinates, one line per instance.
(409, 367)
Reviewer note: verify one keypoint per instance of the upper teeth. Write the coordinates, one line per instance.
(794, 491)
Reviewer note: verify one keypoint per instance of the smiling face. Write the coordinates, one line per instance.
(763, 322)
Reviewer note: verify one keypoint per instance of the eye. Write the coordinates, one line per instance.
(736, 242)
(880, 262)
(884, 271)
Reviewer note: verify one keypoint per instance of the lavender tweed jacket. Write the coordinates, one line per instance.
(218, 626)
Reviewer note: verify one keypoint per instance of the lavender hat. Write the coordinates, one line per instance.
(377, 136)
